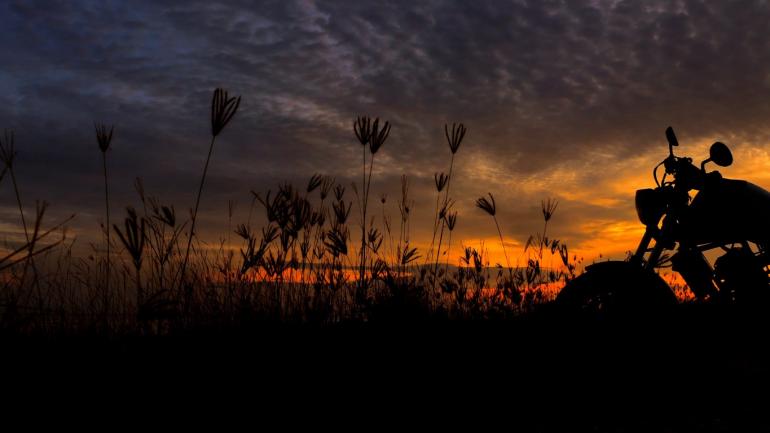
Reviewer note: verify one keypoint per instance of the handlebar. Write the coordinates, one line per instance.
(686, 175)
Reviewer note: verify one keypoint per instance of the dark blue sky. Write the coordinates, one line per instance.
(567, 99)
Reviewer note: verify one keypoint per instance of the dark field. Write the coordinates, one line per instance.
(697, 368)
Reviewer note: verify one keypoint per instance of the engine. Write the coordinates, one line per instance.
(741, 276)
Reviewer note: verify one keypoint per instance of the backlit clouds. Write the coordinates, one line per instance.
(561, 98)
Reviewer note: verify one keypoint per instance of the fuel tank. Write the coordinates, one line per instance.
(725, 211)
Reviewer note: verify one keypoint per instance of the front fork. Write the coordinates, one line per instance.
(644, 245)
(690, 263)
(650, 233)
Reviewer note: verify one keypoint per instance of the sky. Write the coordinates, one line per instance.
(562, 99)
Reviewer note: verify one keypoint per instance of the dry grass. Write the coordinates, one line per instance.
(302, 266)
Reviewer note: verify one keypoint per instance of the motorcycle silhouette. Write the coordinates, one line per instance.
(726, 216)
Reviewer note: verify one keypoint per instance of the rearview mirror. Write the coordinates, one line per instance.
(672, 141)
(720, 154)
(671, 137)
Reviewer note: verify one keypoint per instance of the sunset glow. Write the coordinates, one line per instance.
(563, 102)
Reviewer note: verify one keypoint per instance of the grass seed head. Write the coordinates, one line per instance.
(362, 127)
(339, 191)
(134, 236)
(341, 212)
(315, 181)
(103, 136)
(451, 220)
(378, 136)
(487, 206)
(168, 215)
(548, 207)
(456, 137)
(223, 109)
(326, 186)
(336, 242)
(441, 180)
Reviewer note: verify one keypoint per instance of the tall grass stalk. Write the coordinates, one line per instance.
(367, 132)
(548, 207)
(362, 128)
(451, 221)
(223, 109)
(490, 207)
(133, 240)
(103, 138)
(440, 180)
(454, 141)
(8, 156)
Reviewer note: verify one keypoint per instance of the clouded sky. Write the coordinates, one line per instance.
(562, 99)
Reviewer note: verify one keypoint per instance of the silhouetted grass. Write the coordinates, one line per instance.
(301, 267)
(223, 109)
(104, 139)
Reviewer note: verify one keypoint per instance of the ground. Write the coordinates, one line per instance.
(697, 368)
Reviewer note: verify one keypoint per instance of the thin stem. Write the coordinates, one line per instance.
(449, 179)
(139, 290)
(446, 201)
(139, 293)
(107, 208)
(195, 212)
(448, 248)
(18, 201)
(435, 230)
(502, 243)
(366, 206)
(29, 259)
(363, 218)
(542, 240)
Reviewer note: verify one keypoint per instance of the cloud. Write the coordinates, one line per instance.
(549, 90)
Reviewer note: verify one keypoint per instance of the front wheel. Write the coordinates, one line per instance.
(616, 287)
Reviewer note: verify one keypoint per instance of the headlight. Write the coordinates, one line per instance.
(650, 205)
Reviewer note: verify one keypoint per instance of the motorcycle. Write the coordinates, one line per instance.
(726, 216)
